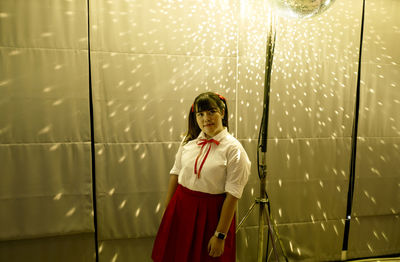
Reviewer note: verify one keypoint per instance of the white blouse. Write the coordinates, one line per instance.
(226, 168)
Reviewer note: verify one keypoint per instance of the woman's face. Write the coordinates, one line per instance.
(210, 121)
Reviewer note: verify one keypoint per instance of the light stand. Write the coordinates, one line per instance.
(262, 201)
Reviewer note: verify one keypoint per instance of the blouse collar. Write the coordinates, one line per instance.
(217, 137)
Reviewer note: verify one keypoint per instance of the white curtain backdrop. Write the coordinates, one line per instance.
(147, 61)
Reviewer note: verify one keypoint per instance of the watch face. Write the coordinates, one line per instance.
(221, 236)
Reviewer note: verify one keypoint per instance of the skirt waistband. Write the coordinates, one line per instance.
(198, 193)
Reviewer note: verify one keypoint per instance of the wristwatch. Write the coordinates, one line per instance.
(220, 235)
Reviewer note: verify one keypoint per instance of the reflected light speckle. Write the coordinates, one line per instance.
(114, 258)
(70, 212)
(54, 147)
(158, 207)
(122, 205)
(137, 213)
(58, 196)
(45, 130)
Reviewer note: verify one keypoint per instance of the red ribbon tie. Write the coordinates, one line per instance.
(203, 143)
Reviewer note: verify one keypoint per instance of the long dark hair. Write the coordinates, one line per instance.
(204, 102)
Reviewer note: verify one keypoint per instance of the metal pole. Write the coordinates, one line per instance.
(270, 45)
(263, 216)
(262, 201)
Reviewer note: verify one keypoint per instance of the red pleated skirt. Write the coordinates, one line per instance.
(189, 222)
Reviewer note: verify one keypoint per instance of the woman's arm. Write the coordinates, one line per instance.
(173, 183)
(227, 212)
(216, 245)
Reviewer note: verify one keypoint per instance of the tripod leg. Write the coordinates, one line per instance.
(274, 233)
(245, 217)
(260, 253)
(271, 233)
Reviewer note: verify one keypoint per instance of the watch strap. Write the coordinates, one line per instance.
(220, 235)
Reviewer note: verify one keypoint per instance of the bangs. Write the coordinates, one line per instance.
(205, 104)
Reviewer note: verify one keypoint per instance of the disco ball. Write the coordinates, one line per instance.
(300, 8)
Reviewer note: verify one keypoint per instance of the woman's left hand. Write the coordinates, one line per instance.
(216, 246)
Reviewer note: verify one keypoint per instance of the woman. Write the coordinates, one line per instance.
(210, 171)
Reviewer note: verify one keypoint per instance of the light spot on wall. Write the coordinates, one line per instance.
(45, 130)
(54, 147)
(70, 212)
(58, 102)
(58, 196)
(114, 258)
(122, 159)
(122, 205)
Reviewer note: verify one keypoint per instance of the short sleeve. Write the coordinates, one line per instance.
(178, 163)
(238, 170)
